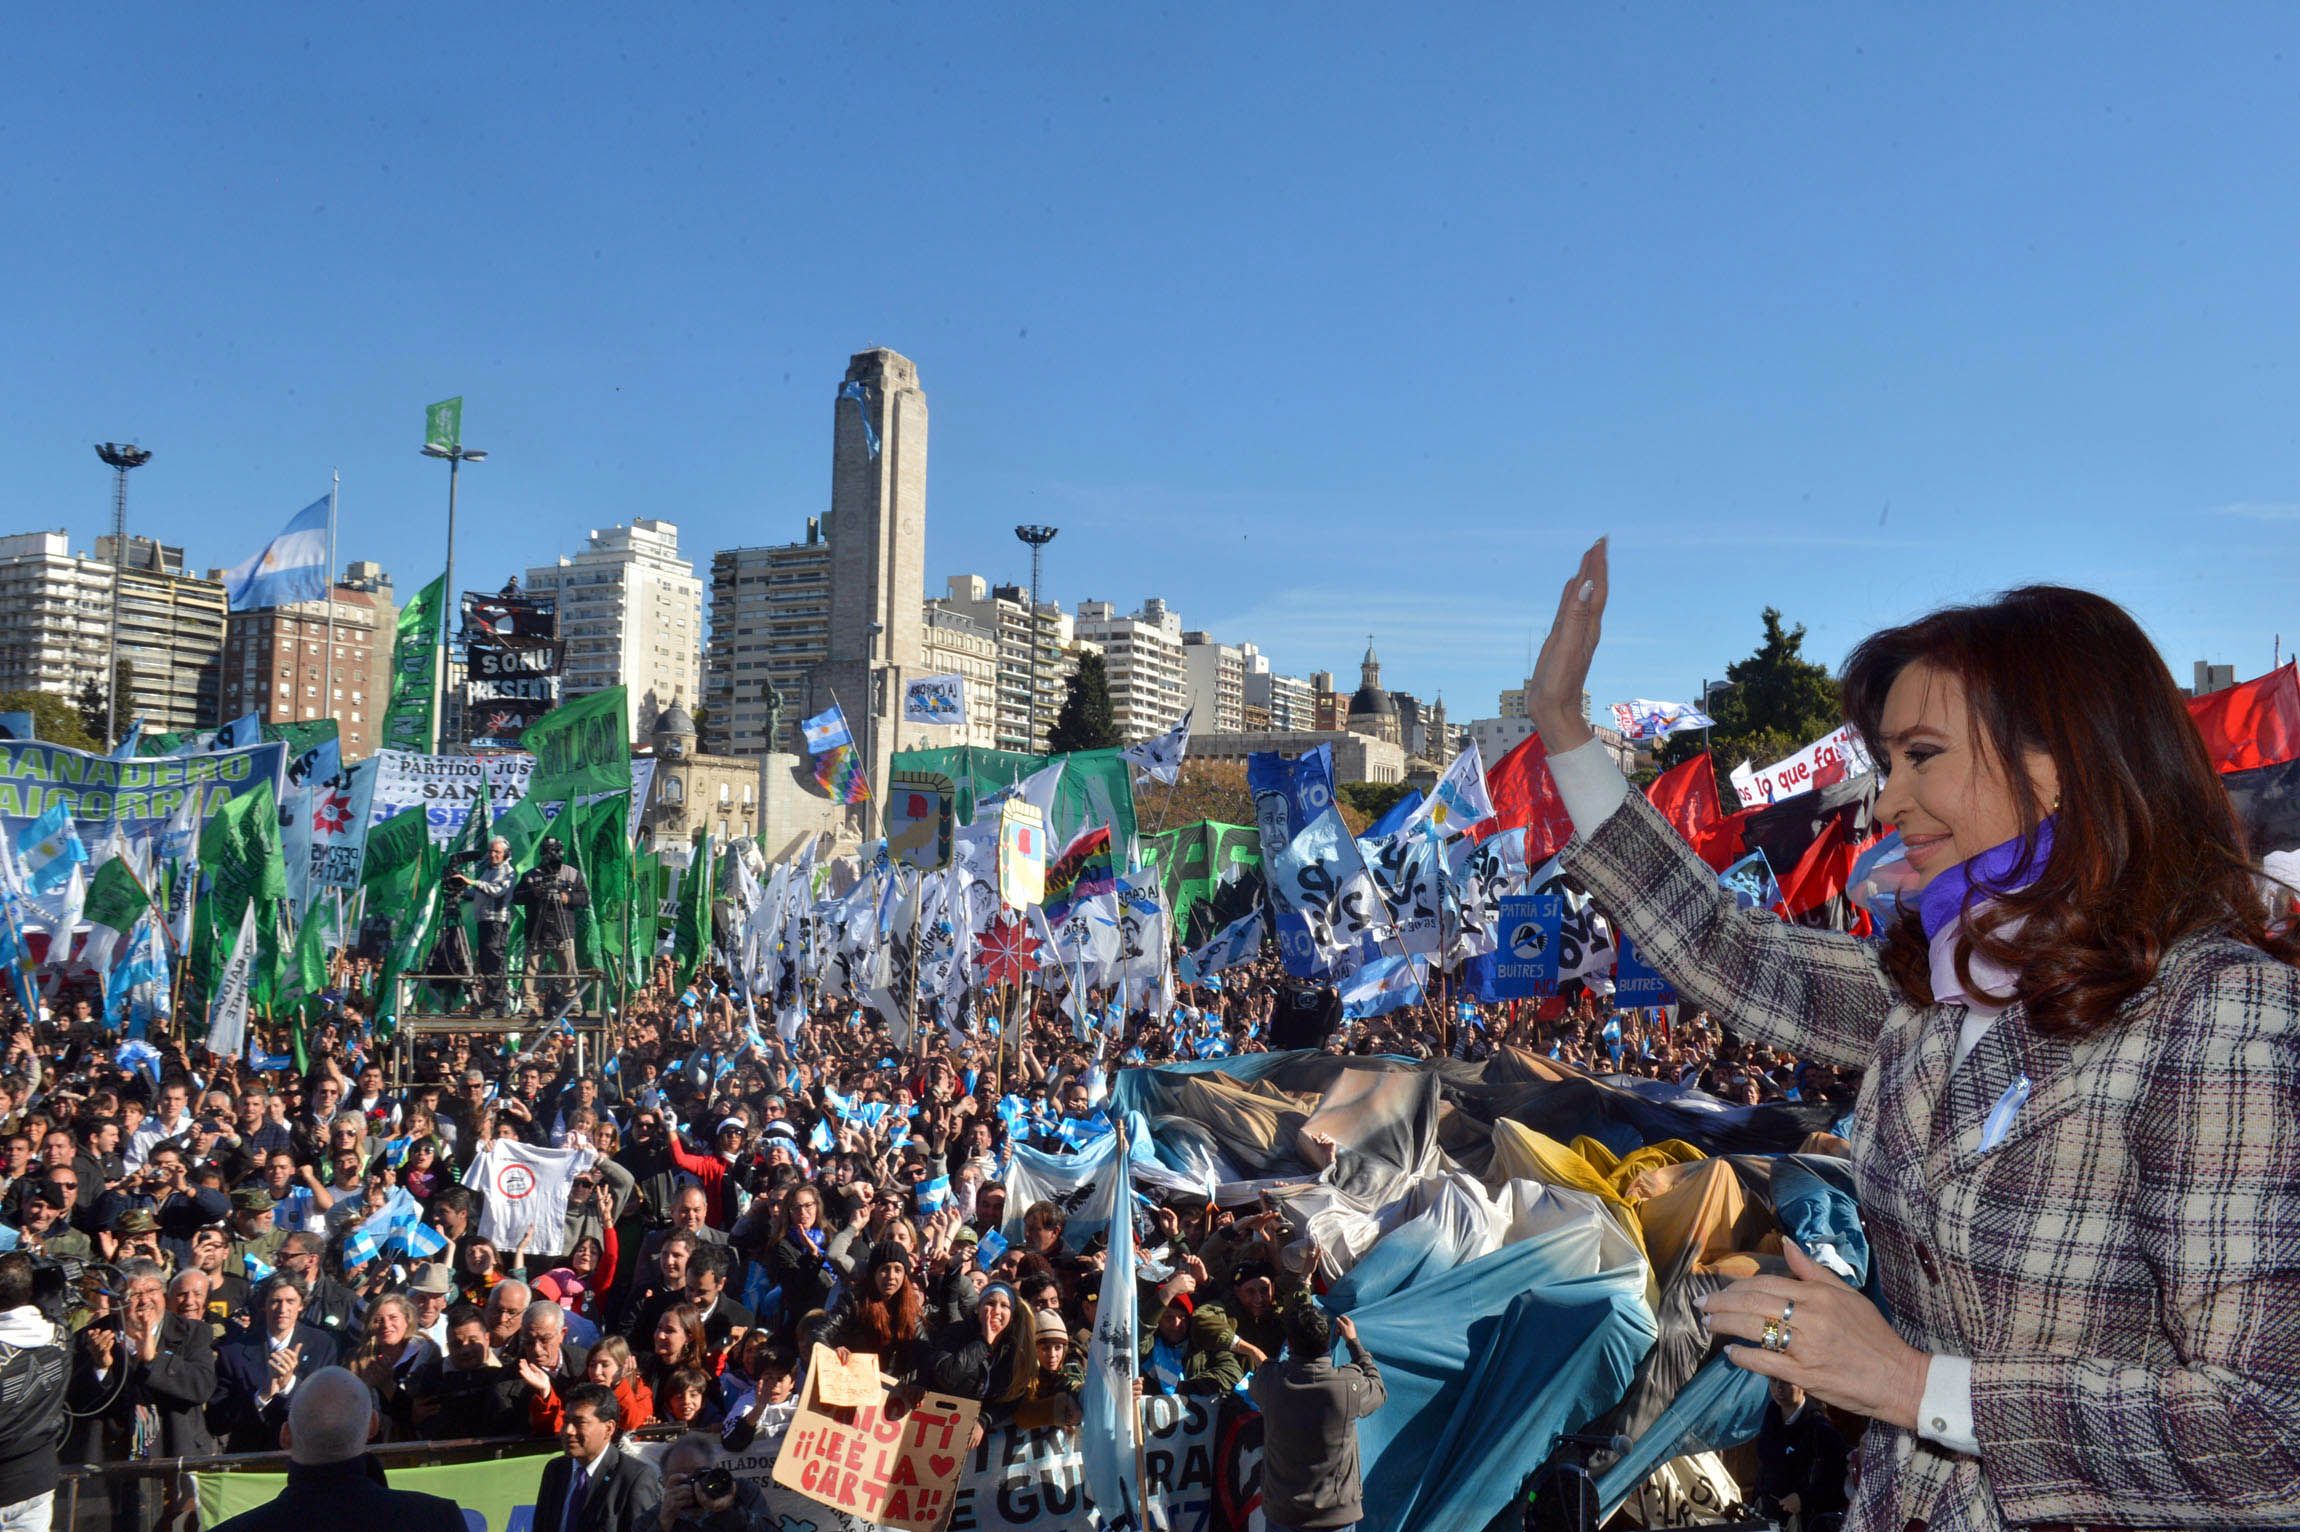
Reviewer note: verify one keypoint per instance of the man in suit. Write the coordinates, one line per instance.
(724, 1320)
(132, 1369)
(596, 1488)
(259, 1370)
(331, 1477)
(467, 1391)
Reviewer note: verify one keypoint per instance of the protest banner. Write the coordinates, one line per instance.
(414, 703)
(1525, 962)
(938, 700)
(137, 795)
(500, 1492)
(849, 1385)
(1831, 758)
(891, 1472)
(445, 786)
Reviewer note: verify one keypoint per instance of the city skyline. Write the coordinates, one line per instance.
(1370, 327)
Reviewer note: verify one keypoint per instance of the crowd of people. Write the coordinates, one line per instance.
(748, 1200)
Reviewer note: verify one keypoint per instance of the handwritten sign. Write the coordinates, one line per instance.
(850, 1386)
(891, 1472)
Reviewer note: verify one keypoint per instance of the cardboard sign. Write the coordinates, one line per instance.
(851, 1386)
(893, 1473)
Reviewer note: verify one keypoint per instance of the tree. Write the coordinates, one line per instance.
(92, 704)
(1086, 721)
(1216, 790)
(1372, 799)
(1776, 702)
(53, 719)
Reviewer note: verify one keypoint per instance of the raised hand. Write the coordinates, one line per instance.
(1561, 675)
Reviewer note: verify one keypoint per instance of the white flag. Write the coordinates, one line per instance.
(228, 1017)
(939, 700)
(1160, 759)
(1107, 1434)
(1457, 803)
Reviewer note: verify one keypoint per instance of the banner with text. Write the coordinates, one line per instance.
(445, 786)
(1831, 758)
(138, 795)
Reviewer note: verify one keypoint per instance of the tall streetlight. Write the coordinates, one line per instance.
(1038, 537)
(457, 455)
(121, 457)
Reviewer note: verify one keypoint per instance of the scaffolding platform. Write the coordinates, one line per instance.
(585, 1019)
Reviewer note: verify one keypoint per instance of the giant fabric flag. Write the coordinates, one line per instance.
(1209, 873)
(1525, 797)
(291, 567)
(1112, 1423)
(1160, 759)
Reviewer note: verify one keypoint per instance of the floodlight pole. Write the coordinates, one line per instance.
(122, 457)
(1037, 537)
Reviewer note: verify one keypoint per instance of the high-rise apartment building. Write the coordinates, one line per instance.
(770, 626)
(59, 610)
(1142, 655)
(1273, 701)
(276, 663)
(630, 612)
(1216, 674)
(171, 638)
(957, 645)
(1004, 611)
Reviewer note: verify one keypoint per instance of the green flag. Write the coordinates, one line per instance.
(240, 858)
(691, 936)
(605, 857)
(524, 825)
(306, 974)
(443, 424)
(581, 747)
(646, 913)
(115, 898)
(395, 845)
(407, 722)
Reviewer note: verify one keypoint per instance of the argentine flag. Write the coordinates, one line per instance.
(50, 847)
(291, 567)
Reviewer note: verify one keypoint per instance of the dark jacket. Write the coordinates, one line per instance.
(243, 1367)
(1310, 1414)
(32, 1378)
(624, 1496)
(347, 1494)
(449, 1404)
(795, 1266)
(177, 1383)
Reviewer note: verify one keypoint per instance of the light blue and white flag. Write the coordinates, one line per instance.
(228, 1017)
(1238, 942)
(1112, 1421)
(291, 567)
(48, 849)
(135, 991)
(1640, 719)
(1384, 985)
(827, 730)
(1321, 877)
(1160, 758)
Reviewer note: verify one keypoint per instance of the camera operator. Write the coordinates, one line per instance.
(699, 1496)
(492, 885)
(32, 1368)
(551, 893)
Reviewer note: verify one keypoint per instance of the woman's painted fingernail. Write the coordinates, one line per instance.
(1588, 589)
(1702, 1302)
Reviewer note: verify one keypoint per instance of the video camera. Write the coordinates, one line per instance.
(56, 1283)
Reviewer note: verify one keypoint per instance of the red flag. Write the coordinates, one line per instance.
(1687, 797)
(1822, 872)
(1525, 798)
(2254, 724)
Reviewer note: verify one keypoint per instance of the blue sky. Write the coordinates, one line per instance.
(1313, 320)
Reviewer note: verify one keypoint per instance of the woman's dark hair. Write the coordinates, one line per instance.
(2146, 846)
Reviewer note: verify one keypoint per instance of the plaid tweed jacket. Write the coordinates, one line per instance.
(2123, 1266)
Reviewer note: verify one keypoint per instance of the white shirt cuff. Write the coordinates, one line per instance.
(1945, 1413)
(1590, 783)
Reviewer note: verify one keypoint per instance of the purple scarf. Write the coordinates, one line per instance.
(1998, 871)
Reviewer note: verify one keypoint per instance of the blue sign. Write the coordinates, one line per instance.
(1750, 881)
(1288, 794)
(1525, 957)
(1636, 984)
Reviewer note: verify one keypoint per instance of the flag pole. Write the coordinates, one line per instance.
(327, 594)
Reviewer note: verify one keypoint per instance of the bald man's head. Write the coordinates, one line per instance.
(330, 1419)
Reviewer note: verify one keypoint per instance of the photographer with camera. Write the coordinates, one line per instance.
(492, 884)
(33, 1359)
(551, 893)
(701, 1496)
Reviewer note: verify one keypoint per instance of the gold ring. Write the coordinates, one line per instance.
(1771, 1339)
